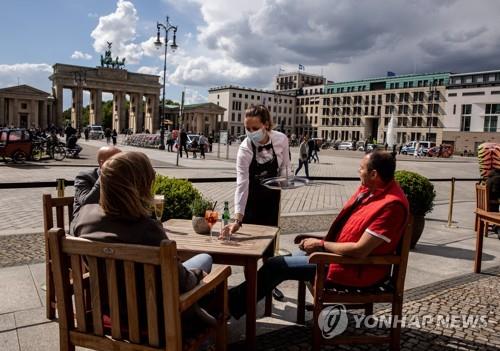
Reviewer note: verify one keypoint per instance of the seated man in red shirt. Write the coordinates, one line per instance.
(371, 223)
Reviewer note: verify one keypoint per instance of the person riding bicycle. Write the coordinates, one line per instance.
(72, 146)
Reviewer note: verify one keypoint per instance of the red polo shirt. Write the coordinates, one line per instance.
(382, 214)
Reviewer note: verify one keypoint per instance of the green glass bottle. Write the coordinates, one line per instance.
(225, 214)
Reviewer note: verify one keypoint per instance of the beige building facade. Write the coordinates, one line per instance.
(197, 118)
(143, 91)
(360, 110)
(23, 106)
(235, 100)
(472, 110)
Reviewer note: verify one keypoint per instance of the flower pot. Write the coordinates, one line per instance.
(417, 230)
(200, 225)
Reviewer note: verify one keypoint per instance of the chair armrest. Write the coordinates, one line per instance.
(207, 284)
(301, 237)
(328, 258)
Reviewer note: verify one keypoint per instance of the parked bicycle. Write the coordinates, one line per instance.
(43, 147)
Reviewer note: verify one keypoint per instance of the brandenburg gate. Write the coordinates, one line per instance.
(143, 91)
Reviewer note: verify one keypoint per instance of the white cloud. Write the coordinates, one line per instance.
(207, 71)
(149, 70)
(34, 74)
(78, 55)
(92, 15)
(119, 28)
(193, 96)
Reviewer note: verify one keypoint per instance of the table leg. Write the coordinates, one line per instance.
(251, 322)
(269, 297)
(479, 247)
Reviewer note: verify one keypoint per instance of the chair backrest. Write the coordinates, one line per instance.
(482, 196)
(398, 273)
(136, 286)
(56, 205)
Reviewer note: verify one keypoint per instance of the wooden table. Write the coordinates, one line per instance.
(246, 247)
(490, 217)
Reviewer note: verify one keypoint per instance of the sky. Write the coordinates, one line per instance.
(246, 43)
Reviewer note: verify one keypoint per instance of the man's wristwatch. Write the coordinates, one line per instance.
(239, 222)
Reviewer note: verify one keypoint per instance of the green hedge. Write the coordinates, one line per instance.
(419, 192)
(179, 196)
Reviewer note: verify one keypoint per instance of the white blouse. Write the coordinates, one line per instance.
(244, 159)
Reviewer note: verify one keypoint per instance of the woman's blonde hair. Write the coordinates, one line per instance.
(126, 180)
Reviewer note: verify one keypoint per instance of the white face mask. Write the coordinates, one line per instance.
(257, 136)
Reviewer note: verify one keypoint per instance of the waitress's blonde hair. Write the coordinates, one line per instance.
(126, 180)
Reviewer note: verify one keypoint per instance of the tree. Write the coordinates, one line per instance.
(107, 114)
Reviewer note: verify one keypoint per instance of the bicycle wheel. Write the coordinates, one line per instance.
(59, 153)
(36, 153)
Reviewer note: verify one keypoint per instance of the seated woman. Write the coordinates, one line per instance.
(123, 214)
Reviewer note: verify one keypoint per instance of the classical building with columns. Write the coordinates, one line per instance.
(198, 118)
(25, 107)
(143, 91)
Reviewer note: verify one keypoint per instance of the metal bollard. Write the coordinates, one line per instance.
(60, 187)
(452, 195)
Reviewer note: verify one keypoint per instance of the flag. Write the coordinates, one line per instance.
(301, 67)
(391, 74)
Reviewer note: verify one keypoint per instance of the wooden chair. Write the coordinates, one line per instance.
(357, 298)
(133, 302)
(53, 207)
(482, 203)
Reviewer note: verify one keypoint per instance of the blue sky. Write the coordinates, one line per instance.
(246, 43)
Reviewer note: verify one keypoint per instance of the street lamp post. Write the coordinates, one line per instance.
(167, 27)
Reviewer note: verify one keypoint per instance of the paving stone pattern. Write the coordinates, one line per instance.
(472, 294)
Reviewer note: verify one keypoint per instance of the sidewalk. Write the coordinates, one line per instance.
(439, 280)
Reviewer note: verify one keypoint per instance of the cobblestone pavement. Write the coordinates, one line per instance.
(21, 211)
(471, 295)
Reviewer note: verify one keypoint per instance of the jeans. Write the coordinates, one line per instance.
(306, 167)
(275, 271)
(201, 261)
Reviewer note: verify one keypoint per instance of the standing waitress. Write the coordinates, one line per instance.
(263, 154)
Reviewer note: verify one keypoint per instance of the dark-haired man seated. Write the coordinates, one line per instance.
(371, 223)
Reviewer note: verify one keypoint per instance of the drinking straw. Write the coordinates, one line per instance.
(215, 204)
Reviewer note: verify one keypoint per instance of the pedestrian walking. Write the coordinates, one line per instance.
(303, 156)
(210, 142)
(183, 143)
(203, 141)
(107, 134)
(86, 132)
(114, 135)
(170, 141)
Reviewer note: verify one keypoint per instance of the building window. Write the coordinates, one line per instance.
(232, 116)
(490, 123)
(234, 95)
(465, 118)
(454, 109)
(465, 124)
(491, 117)
(24, 106)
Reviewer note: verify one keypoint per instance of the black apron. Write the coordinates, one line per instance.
(263, 204)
